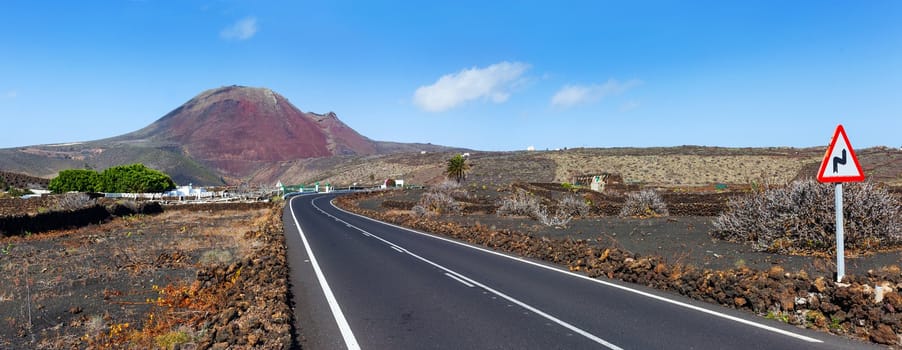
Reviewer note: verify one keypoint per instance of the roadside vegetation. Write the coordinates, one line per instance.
(644, 204)
(800, 218)
(523, 203)
(440, 199)
(134, 178)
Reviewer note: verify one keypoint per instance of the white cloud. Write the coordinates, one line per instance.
(571, 95)
(242, 30)
(493, 83)
(12, 94)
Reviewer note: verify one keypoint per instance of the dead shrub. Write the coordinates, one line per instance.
(574, 205)
(645, 203)
(560, 218)
(801, 216)
(519, 203)
(438, 202)
(73, 201)
(420, 211)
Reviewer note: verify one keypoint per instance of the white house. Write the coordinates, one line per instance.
(183, 191)
(398, 183)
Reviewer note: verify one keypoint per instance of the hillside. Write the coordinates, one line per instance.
(663, 166)
(221, 136)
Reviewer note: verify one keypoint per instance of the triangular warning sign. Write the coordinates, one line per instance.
(840, 163)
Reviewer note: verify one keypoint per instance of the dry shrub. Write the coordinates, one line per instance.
(419, 211)
(801, 216)
(436, 202)
(519, 203)
(560, 218)
(574, 205)
(73, 201)
(645, 203)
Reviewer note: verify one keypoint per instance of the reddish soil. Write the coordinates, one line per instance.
(191, 277)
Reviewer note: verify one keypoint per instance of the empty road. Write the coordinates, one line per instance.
(357, 283)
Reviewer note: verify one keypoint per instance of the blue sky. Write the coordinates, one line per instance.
(489, 75)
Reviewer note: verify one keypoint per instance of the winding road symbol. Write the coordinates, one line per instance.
(837, 161)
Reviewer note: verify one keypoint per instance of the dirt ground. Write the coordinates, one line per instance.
(677, 239)
(683, 240)
(147, 281)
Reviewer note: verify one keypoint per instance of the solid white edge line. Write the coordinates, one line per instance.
(468, 284)
(605, 283)
(398, 249)
(536, 311)
(343, 326)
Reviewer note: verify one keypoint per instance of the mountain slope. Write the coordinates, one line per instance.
(237, 129)
(223, 135)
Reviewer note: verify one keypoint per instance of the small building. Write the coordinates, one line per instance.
(185, 191)
(596, 182)
(392, 183)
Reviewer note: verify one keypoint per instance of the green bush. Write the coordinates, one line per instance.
(77, 180)
(134, 178)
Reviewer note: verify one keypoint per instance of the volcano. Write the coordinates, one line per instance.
(226, 135)
(237, 129)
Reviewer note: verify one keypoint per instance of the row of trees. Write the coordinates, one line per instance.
(134, 178)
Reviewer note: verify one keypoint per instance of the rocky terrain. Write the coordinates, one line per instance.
(197, 276)
(22, 181)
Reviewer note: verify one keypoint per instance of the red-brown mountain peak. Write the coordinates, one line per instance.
(237, 128)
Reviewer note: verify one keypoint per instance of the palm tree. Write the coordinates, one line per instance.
(457, 168)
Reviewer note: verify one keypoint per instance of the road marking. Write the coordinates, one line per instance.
(460, 277)
(459, 280)
(602, 282)
(343, 326)
(398, 249)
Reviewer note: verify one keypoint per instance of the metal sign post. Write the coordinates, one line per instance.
(840, 245)
(837, 167)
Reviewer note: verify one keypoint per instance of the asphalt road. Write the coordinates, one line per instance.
(357, 283)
